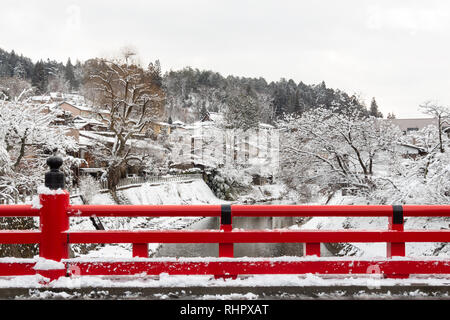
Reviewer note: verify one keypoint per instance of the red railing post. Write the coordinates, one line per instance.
(311, 249)
(396, 249)
(54, 221)
(226, 250)
(140, 250)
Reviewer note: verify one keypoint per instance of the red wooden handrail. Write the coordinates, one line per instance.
(19, 236)
(18, 210)
(254, 210)
(426, 210)
(392, 268)
(310, 211)
(144, 210)
(55, 236)
(256, 236)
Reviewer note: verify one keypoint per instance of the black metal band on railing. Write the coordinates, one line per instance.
(225, 217)
(397, 214)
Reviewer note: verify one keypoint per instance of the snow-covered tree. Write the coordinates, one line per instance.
(13, 87)
(132, 101)
(243, 112)
(441, 113)
(58, 83)
(28, 136)
(423, 179)
(426, 138)
(330, 150)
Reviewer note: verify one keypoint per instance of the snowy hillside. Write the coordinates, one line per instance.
(195, 192)
(264, 193)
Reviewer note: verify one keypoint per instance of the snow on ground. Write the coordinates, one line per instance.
(195, 192)
(186, 281)
(264, 193)
(102, 198)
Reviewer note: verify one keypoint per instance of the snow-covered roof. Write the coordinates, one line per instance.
(85, 141)
(81, 105)
(215, 116)
(162, 123)
(54, 95)
(416, 149)
(92, 169)
(80, 122)
(80, 119)
(88, 138)
(266, 126)
(78, 106)
(418, 123)
(41, 98)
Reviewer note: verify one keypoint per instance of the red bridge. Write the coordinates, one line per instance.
(55, 236)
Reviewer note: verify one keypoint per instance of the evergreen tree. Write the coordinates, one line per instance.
(13, 60)
(19, 71)
(79, 74)
(155, 70)
(374, 109)
(243, 112)
(391, 115)
(204, 112)
(69, 75)
(39, 77)
(280, 101)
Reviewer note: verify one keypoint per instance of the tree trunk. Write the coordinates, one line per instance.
(441, 148)
(113, 176)
(21, 152)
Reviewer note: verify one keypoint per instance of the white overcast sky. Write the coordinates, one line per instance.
(396, 51)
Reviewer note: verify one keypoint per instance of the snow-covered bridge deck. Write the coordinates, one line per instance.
(204, 287)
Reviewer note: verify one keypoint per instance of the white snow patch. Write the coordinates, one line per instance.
(195, 192)
(47, 264)
(34, 281)
(165, 280)
(44, 190)
(36, 203)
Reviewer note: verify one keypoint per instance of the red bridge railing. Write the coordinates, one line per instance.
(55, 236)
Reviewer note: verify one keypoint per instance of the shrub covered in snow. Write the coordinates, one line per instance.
(89, 186)
(228, 182)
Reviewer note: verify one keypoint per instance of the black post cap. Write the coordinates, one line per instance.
(54, 179)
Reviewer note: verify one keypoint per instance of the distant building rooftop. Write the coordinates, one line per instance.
(407, 125)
